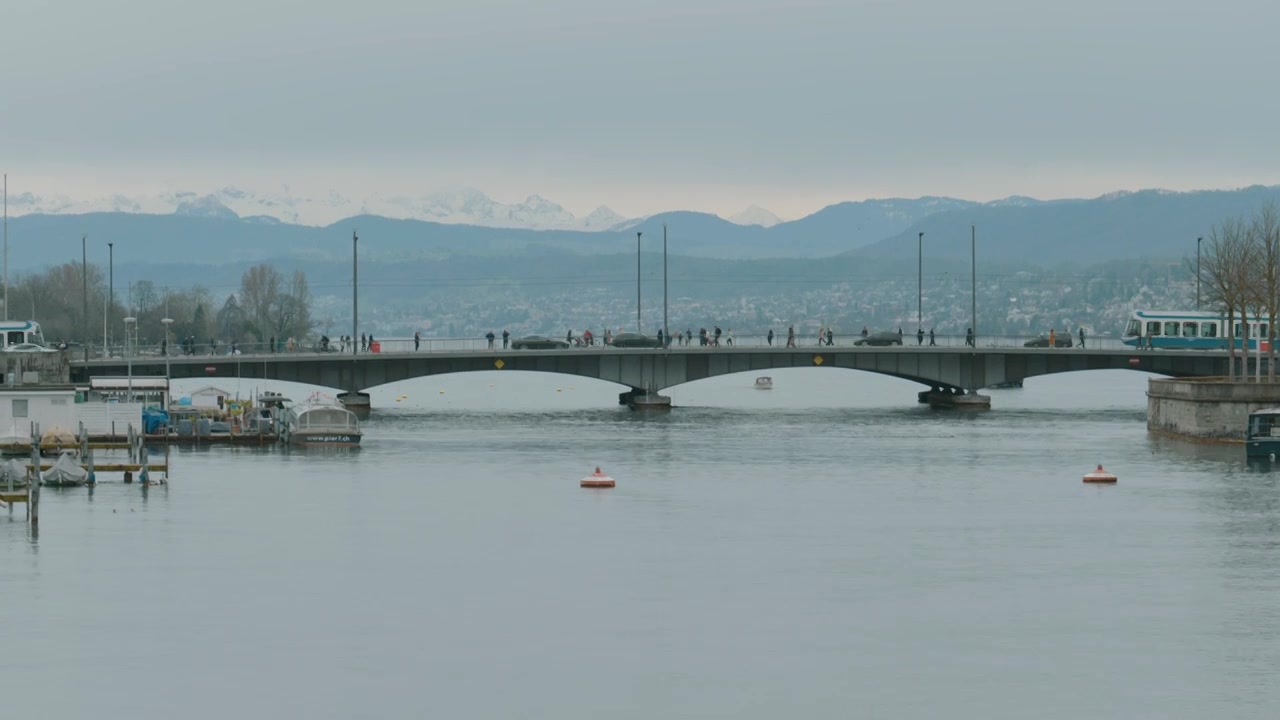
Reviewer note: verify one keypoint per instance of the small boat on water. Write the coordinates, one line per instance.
(321, 422)
(66, 472)
(57, 439)
(764, 382)
(13, 472)
(1262, 435)
(14, 443)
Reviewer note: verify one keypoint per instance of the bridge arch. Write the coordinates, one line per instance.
(948, 369)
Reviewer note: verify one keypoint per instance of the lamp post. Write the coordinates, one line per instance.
(973, 270)
(6, 246)
(84, 289)
(167, 322)
(129, 323)
(355, 298)
(1198, 241)
(919, 281)
(639, 327)
(666, 331)
(111, 277)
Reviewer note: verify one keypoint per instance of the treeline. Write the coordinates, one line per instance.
(70, 301)
(1240, 276)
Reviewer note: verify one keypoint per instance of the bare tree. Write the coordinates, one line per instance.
(260, 292)
(1265, 230)
(231, 319)
(295, 316)
(1225, 274)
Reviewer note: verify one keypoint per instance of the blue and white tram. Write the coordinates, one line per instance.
(1190, 330)
(18, 332)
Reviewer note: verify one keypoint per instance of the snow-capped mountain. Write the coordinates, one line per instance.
(755, 215)
(460, 207)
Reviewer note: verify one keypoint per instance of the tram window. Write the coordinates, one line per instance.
(1239, 330)
(1209, 329)
(14, 337)
(1135, 328)
(1189, 329)
(1153, 328)
(1171, 328)
(1262, 330)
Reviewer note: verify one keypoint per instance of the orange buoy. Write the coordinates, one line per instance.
(597, 479)
(1099, 476)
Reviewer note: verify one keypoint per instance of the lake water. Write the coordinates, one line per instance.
(828, 548)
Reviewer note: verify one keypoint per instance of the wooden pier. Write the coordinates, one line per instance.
(12, 492)
(117, 442)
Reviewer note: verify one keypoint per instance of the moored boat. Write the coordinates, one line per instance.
(66, 472)
(57, 440)
(1262, 435)
(14, 443)
(764, 382)
(321, 422)
(13, 474)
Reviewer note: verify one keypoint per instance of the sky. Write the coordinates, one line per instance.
(659, 105)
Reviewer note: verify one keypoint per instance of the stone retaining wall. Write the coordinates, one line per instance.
(1206, 408)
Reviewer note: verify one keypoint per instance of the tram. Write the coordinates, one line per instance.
(20, 332)
(1190, 330)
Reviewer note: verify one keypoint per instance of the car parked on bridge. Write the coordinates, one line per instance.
(1060, 340)
(635, 340)
(880, 339)
(28, 348)
(538, 342)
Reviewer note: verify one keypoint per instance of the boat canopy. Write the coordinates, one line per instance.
(327, 417)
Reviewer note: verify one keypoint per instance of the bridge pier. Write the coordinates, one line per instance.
(356, 401)
(639, 399)
(955, 398)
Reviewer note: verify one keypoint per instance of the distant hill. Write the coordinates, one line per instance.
(1150, 223)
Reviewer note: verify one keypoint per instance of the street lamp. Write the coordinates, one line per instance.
(111, 277)
(639, 327)
(919, 281)
(973, 274)
(666, 331)
(129, 324)
(167, 322)
(1198, 240)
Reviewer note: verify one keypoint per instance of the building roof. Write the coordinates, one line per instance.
(149, 382)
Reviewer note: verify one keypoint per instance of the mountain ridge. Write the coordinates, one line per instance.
(1129, 224)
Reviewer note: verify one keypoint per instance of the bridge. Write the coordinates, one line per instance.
(947, 371)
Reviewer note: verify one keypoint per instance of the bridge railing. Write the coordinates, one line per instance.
(448, 345)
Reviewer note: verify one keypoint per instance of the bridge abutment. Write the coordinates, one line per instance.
(1206, 408)
(356, 401)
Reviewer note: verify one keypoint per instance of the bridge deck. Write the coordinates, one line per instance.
(940, 367)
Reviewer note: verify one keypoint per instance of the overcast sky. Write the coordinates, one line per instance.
(643, 106)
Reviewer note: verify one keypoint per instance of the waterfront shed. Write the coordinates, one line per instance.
(209, 396)
(21, 407)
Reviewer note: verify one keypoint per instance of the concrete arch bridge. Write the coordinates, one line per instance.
(942, 371)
